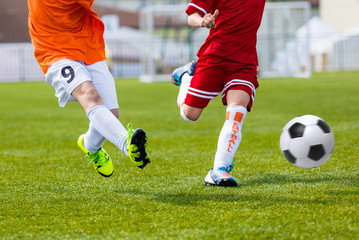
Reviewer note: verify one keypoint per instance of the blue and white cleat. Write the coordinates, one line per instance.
(176, 77)
(221, 177)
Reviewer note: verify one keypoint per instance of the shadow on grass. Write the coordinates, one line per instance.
(247, 193)
(288, 179)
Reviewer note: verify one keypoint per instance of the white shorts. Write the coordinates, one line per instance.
(65, 75)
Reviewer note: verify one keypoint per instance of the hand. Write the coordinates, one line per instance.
(209, 20)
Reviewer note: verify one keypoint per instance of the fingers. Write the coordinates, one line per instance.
(215, 14)
(209, 20)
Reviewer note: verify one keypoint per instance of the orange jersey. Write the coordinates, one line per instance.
(65, 29)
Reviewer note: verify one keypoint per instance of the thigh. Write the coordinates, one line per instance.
(65, 75)
(206, 83)
(243, 79)
(237, 97)
(104, 83)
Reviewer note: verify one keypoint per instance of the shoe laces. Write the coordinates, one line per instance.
(98, 158)
(227, 169)
(231, 166)
(132, 147)
(130, 130)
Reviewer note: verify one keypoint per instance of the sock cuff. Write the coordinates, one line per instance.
(93, 110)
(186, 78)
(236, 113)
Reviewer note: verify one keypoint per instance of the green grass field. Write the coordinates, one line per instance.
(48, 191)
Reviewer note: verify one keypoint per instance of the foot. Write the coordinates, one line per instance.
(136, 146)
(100, 159)
(221, 177)
(176, 77)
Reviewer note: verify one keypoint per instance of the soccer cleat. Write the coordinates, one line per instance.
(100, 159)
(176, 77)
(221, 177)
(136, 146)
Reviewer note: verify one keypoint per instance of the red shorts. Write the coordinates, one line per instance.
(214, 75)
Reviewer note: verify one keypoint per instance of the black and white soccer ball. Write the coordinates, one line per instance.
(307, 141)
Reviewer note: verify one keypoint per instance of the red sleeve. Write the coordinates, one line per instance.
(85, 3)
(203, 7)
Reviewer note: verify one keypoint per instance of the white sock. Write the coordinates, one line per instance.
(108, 126)
(93, 139)
(186, 81)
(230, 136)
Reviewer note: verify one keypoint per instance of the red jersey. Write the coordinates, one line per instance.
(65, 29)
(235, 35)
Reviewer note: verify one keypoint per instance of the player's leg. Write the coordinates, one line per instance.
(91, 142)
(238, 95)
(93, 139)
(182, 77)
(68, 76)
(230, 136)
(188, 113)
(195, 92)
(131, 142)
(229, 139)
(104, 84)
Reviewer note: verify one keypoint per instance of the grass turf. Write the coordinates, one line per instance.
(49, 192)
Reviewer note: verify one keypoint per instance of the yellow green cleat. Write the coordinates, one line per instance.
(100, 159)
(136, 146)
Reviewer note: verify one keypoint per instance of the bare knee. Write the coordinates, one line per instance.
(190, 114)
(92, 95)
(87, 95)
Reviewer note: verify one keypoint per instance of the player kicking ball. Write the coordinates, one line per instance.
(68, 44)
(227, 64)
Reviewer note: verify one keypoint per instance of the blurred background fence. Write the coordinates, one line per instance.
(291, 42)
(17, 62)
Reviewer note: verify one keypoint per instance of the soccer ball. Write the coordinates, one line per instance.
(307, 141)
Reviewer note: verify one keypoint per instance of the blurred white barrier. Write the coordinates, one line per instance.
(17, 63)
